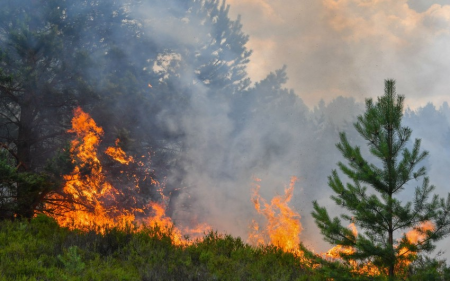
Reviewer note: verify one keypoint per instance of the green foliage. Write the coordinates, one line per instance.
(60, 164)
(377, 211)
(72, 260)
(333, 269)
(426, 268)
(33, 186)
(41, 250)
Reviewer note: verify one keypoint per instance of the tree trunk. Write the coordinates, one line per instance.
(392, 259)
(24, 142)
(391, 179)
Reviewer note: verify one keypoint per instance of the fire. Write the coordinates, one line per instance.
(118, 154)
(165, 223)
(88, 200)
(335, 252)
(86, 189)
(414, 236)
(283, 224)
(417, 235)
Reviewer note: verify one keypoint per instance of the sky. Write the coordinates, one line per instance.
(349, 47)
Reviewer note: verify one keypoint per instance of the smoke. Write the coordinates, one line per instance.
(432, 126)
(223, 133)
(349, 47)
(337, 51)
(423, 5)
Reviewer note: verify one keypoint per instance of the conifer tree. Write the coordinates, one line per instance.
(46, 70)
(371, 195)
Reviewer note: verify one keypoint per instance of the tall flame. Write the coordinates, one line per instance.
(86, 189)
(89, 201)
(283, 224)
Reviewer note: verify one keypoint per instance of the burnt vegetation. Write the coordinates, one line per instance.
(168, 79)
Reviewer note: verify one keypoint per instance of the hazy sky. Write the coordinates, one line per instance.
(348, 47)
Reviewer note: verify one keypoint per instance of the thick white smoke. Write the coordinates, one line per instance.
(334, 50)
(348, 47)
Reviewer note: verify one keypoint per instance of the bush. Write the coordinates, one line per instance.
(41, 250)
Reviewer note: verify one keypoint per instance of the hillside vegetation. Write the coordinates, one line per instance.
(41, 250)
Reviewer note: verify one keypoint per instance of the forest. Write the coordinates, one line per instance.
(134, 146)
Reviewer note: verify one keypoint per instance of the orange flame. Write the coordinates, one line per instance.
(283, 224)
(335, 252)
(417, 235)
(414, 236)
(89, 201)
(118, 154)
(86, 187)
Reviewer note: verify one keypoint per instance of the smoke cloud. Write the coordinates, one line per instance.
(349, 47)
(337, 53)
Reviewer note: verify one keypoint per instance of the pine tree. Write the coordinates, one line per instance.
(47, 53)
(102, 55)
(377, 211)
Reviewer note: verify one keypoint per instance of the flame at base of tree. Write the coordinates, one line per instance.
(414, 236)
(335, 254)
(283, 224)
(88, 201)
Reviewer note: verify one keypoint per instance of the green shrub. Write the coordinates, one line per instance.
(41, 250)
(72, 261)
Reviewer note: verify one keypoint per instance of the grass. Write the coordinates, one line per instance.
(41, 250)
